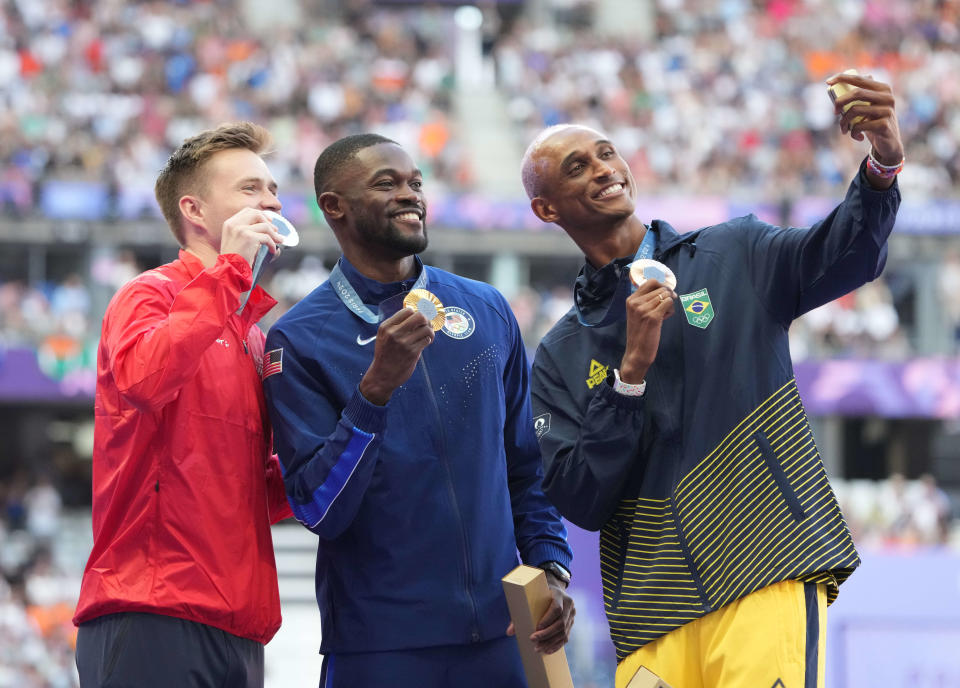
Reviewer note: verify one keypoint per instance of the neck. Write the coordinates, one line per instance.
(207, 254)
(602, 245)
(384, 269)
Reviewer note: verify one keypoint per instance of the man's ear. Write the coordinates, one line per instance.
(332, 205)
(191, 209)
(544, 209)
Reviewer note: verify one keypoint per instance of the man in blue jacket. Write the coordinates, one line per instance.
(405, 434)
(680, 435)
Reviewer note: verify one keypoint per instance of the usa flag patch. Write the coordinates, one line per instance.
(272, 363)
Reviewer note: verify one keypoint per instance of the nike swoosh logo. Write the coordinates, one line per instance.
(364, 342)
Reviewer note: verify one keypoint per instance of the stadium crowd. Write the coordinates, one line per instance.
(713, 98)
(705, 97)
(102, 91)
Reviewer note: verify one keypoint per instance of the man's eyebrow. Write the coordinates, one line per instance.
(272, 184)
(570, 156)
(394, 173)
(577, 153)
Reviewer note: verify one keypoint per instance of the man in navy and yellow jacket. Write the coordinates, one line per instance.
(407, 444)
(683, 439)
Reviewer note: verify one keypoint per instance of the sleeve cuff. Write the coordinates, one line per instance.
(543, 552)
(365, 415)
(863, 181)
(236, 261)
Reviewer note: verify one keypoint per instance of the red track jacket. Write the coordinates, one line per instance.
(184, 484)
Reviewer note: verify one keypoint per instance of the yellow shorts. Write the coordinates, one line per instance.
(772, 638)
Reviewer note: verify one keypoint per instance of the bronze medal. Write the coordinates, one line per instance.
(645, 268)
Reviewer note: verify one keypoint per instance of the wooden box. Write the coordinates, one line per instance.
(528, 599)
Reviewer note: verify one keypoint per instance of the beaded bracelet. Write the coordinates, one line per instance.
(883, 171)
(627, 388)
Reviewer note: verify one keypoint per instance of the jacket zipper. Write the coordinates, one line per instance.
(475, 634)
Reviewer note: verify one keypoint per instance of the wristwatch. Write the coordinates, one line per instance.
(560, 572)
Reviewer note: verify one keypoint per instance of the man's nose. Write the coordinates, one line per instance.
(271, 202)
(602, 169)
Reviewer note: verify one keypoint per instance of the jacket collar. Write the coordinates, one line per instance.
(668, 238)
(594, 286)
(192, 264)
(370, 290)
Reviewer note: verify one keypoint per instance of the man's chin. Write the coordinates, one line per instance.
(410, 245)
(621, 211)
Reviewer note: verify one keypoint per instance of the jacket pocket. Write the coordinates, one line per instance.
(615, 550)
(779, 476)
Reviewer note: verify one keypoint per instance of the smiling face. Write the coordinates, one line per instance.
(581, 180)
(383, 208)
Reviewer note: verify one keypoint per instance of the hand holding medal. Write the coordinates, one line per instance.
(401, 338)
(647, 308)
(290, 237)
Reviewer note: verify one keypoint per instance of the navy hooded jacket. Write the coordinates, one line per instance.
(709, 486)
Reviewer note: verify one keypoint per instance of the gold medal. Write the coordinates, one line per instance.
(424, 302)
(645, 268)
(841, 89)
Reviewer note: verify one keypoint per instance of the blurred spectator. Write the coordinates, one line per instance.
(55, 321)
(42, 503)
(862, 324)
(37, 597)
(289, 285)
(948, 286)
(899, 514)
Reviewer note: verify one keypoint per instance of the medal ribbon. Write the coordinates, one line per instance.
(350, 298)
(624, 287)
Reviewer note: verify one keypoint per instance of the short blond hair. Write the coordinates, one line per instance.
(182, 173)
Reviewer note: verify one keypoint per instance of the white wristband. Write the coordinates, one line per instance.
(625, 388)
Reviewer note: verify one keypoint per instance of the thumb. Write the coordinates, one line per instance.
(511, 630)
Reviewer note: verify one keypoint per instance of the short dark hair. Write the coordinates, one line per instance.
(182, 173)
(337, 154)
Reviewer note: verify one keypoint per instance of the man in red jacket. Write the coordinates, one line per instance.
(181, 586)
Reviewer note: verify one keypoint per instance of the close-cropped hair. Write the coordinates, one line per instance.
(339, 153)
(183, 172)
(529, 172)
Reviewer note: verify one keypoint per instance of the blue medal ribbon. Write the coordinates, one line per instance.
(624, 287)
(348, 295)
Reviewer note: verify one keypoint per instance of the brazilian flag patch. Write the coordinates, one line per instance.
(697, 308)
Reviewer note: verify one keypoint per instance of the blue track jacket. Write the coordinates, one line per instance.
(710, 485)
(421, 505)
